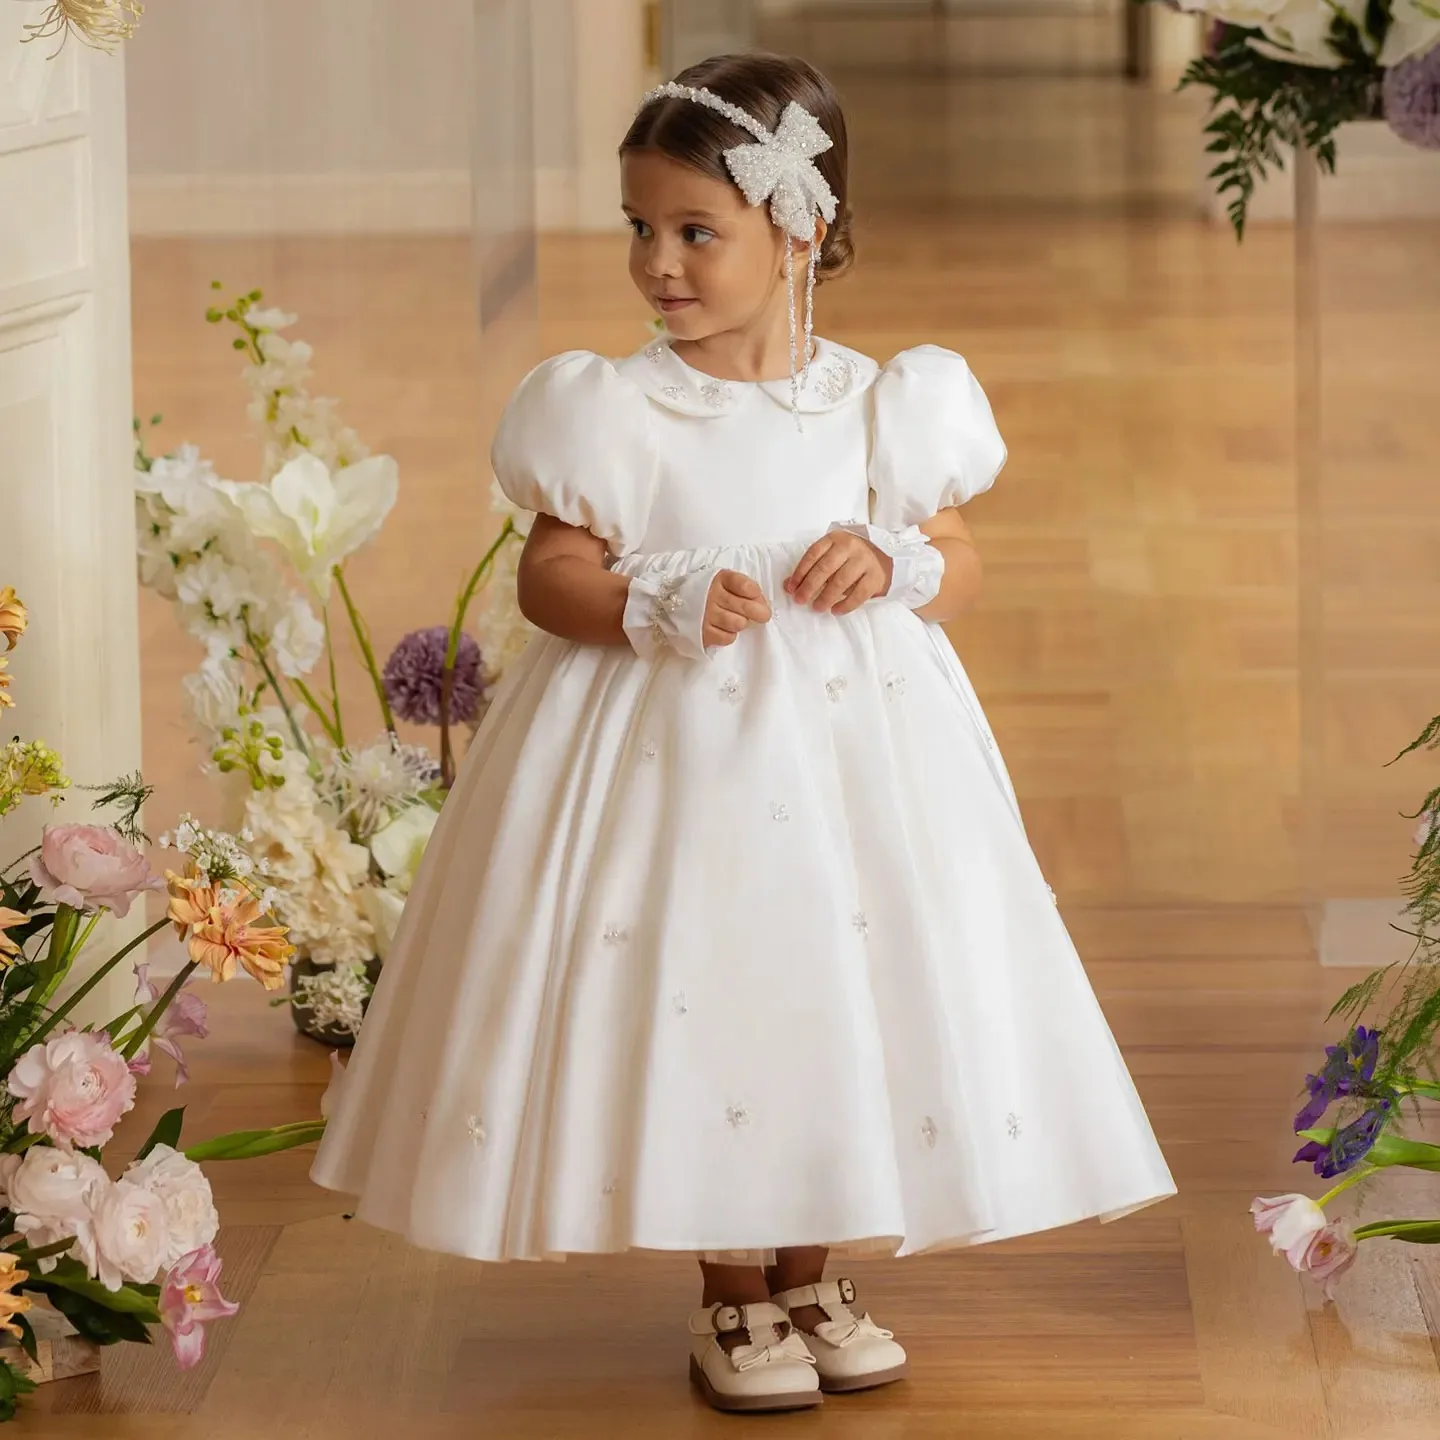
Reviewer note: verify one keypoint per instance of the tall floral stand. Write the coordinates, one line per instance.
(1368, 543)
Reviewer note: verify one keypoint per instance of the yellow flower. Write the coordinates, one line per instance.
(5, 701)
(13, 617)
(8, 920)
(228, 935)
(192, 898)
(11, 1304)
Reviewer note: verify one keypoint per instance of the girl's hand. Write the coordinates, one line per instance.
(839, 573)
(735, 603)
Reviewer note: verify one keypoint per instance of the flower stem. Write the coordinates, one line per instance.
(339, 732)
(264, 663)
(142, 1031)
(318, 711)
(1352, 1179)
(94, 980)
(362, 638)
(452, 650)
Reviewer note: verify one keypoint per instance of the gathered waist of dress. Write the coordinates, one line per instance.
(768, 563)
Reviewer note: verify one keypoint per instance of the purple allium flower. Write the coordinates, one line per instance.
(1412, 99)
(415, 671)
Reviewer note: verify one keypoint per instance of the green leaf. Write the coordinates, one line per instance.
(248, 1144)
(1412, 1232)
(95, 1321)
(71, 1277)
(166, 1132)
(12, 1386)
(27, 1337)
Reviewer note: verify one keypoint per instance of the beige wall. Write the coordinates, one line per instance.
(303, 115)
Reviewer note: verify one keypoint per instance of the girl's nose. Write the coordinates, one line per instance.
(663, 261)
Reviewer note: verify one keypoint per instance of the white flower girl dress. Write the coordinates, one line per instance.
(749, 949)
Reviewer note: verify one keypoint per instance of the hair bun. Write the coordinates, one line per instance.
(837, 250)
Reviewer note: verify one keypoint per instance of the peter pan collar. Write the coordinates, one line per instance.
(837, 375)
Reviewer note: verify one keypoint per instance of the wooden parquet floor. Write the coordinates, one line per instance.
(1136, 650)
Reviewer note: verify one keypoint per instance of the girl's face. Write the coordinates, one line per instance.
(705, 260)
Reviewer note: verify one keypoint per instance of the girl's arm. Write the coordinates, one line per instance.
(960, 585)
(562, 585)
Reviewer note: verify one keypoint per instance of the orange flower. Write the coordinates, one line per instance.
(192, 898)
(13, 617)
(8, 948)
(228, 936)
(11, 1304)
(5, 701)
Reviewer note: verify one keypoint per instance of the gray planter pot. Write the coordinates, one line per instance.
(304, 1017)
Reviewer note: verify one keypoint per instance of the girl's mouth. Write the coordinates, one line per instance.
(669, 305)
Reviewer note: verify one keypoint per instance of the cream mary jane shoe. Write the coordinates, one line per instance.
(850, 1353)
(773, 1370)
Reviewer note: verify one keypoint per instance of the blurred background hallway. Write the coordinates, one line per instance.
(1029, 191)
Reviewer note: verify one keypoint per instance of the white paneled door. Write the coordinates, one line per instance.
(66, 507)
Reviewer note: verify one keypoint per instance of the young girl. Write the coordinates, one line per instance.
(729, 939)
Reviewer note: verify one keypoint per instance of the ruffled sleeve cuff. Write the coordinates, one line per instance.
(667, 612)
(917, 567)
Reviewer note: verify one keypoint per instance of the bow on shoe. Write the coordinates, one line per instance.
(782, 170)
(791, 1347)
(841, 1332)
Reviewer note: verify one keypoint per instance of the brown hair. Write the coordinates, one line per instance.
(763, 85)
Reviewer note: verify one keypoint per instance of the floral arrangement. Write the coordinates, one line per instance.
(1375, 1079)
(1289, 73)
(116, 1256)
(101, 23)
(253, 569)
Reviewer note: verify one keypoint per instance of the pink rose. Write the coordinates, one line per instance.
(189, 1298)
(90, 866)
(1298, 1229)
(73, 1088)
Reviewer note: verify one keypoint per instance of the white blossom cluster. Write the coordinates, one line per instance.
(291, 421)
(1301, 32)
(197, 549)
(501, 631)
(317, 870)
(336, 997)
(373, 784)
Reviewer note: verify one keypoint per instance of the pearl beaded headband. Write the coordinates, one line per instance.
(780, 167)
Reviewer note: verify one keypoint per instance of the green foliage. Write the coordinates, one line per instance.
(12, 1386)
(1261, 106)
(248, 1144)
(166, 1132)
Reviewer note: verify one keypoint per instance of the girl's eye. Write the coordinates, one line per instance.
(641, 229)
(696, 235)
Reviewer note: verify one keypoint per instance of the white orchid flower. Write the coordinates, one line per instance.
(1299, 33)
(398, 846)
(1414, 31)
(320, 519)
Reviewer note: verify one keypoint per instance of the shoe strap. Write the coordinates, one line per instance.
(841, 1325)
(826, 1294)
(784, 1343)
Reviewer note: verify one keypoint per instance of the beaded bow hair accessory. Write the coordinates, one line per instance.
(778, 166)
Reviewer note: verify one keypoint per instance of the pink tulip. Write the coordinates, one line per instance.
(184, 1017)
(89, 867)
(73, 1087)
(1298, 1229)
(189, 1299)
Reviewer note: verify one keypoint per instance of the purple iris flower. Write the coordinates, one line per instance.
(1348, 1070)
(1351, 1144)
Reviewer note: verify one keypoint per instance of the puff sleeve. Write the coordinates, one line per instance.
(575, 442)
(934, 442)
